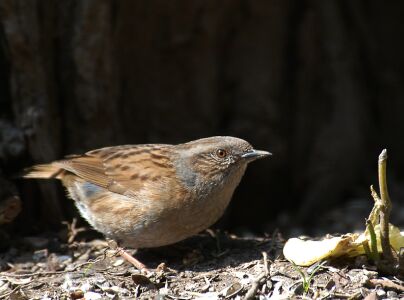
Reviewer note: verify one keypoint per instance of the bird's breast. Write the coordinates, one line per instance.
(156, 215)
(209, 202)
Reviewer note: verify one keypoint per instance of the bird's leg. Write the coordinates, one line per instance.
(126, 256)
(129, 258)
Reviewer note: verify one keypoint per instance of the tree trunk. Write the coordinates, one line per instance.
(318, 83)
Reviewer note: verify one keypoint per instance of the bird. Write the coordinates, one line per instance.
(152, 195)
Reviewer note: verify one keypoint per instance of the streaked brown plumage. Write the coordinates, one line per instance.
(153, 195)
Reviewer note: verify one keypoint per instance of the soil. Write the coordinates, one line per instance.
(212, 265)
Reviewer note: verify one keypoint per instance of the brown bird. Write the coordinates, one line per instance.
(152, 195)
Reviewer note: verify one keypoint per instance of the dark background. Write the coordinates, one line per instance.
(318, 83)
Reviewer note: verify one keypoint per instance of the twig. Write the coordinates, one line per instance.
(357, 295)
(254, 287)
(6, 295)
(73, 230)
(265, 257)
(5, 274)
(386, 284)
(252, 291)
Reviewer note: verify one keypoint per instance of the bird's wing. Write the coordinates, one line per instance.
(121, 169)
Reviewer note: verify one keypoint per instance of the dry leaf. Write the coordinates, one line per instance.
(308, 252)
(19, 281)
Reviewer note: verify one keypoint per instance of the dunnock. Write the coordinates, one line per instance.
(154, 194)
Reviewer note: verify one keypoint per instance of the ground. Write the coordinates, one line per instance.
(211, 265)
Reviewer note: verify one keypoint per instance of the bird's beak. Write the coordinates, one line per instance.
(255, 154)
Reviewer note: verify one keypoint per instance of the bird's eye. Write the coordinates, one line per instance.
(221, 153)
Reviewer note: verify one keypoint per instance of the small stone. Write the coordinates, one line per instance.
(381, 293)
(77, 294)
(330, 284)
(391, 294)
(163, 292)
(190, 286)
(85, 286)
(371, 296)
(187, 274)
(162, 267)
(118, 262)
(92, 296)
(370, 273)
(40, 255)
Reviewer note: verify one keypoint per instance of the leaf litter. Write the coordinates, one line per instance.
(252, 268)
(212, 265)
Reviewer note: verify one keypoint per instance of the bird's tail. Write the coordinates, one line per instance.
(44, 171)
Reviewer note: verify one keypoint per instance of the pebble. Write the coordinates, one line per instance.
(391, 294)
(40, 255)
(92, 296)
(381, 293)
(77, 294)
(86, 286)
